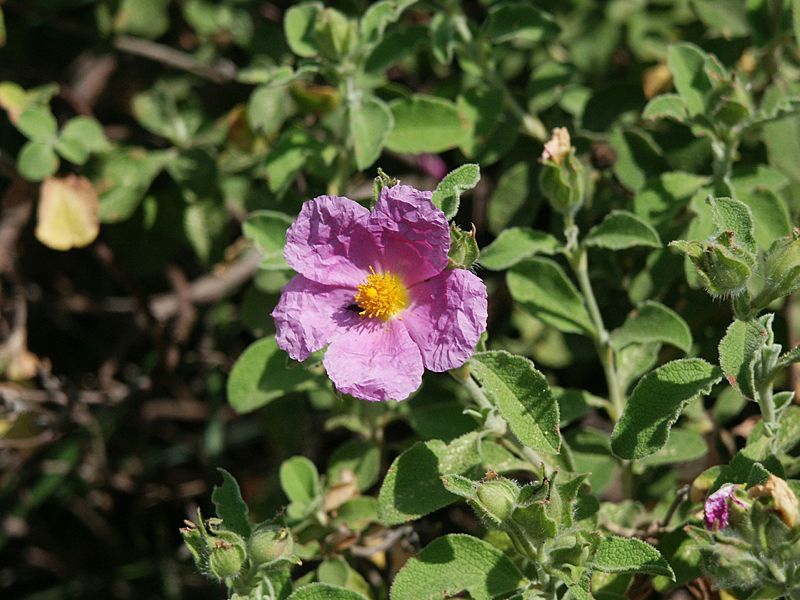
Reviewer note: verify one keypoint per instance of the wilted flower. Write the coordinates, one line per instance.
(375, 286)
(783, 498)
(717, 507)
(558, 146)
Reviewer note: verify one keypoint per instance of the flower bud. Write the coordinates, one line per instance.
(781, 269)
(269, 543)
(226, 555)
(498, 498)
(723, 268)
(334, 33)
(562, 178)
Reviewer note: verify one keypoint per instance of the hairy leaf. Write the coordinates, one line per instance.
(620, 230)
(630, 555)
(447, 194)
(233, 511)
(653, 322)
(515, 244)
(657, 402)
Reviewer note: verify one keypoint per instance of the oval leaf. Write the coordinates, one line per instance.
(67, 215)
(455, 563)
(522, 396)
(653, 322)
(370, 123)
(630, 555)
(426, 124)
(447, 194)
(231, 508)
(260, 375)
(738, 352)
(657, 402)
(542, 287)
(324, 591)
(515, 244)
(621, 229)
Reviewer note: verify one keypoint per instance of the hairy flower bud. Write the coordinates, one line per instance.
(269, 543)
(226, 554)
(562, 179)
(498, 498)
(781, 270)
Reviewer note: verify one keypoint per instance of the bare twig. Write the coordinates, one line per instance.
(220, 72)
(389, 539)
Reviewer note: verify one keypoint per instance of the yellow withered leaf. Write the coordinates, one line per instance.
(68, 213)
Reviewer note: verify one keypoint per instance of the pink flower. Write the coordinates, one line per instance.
(717, 507)
(375, 287)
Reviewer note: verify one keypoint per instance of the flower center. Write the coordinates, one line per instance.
(381, 295)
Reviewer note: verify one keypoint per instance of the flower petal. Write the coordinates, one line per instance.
(446, 318)
(411, 233)
(310, 314)
(375, 360)
(329, 242)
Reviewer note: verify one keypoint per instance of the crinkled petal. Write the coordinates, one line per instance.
(375, 360)
(309, 315)
(411, 233)
(446, 318)
(329, 242)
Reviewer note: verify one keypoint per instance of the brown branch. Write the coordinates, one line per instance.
(221, 71)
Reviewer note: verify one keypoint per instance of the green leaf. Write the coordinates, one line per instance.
(413, 484)
(126, 176)
(520, 21)
(515, 244)
(617, 554)
(370, 123)
(796, 20)
(665, 106)
(443, 37)
(683, 446)
(72, 150)
(657, 402)
(653, 322)
(267, 229)
(2, 29)
(621, 229)
(86, 132)
(260, 375)
(542, 288)
(37, 161)
(378, 16)
(336, 571)
(687, 64)
(144, 18)
(361, 458)
(734, 215)
(447, 194)
(771, 216)
(38, 124)
(522, 396)
(324, 591)
(300, 480)
(299, 24)
(267, 108)
(231, 508)
(510, 197)
(738, 352)
(463, 248)
(455, 563)
(425, 124)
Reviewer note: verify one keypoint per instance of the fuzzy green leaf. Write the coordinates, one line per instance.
(683, 446)
(299, 27)
(630, 555)
(413, 485)
(520, 21)
(515, 244)
(653, 322)
(425, 124)
(447, 194)
(300, 480)
(522, 396)
(38, 124)
(687, 64)
(657, 402)
(621, 229)
(734, 215)
(37, 161)
(455, 563)
(738, 352)
(665, 106)
(370, 123)
(260, 375)
(543, 289)
(267, 229)
(324, 591)
(231, 508)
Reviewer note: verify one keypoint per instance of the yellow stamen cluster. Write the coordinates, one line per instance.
(381, 296)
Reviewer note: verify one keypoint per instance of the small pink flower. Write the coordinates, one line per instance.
(375, 287)
(717, 507)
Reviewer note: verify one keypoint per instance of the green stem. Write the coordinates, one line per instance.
(579, 262)
(766, 403)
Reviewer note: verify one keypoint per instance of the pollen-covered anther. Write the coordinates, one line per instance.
(381, 296)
